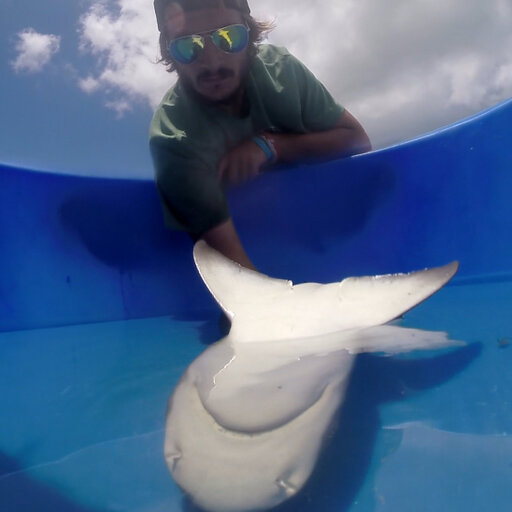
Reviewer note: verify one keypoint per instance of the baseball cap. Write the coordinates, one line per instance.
(189, 5)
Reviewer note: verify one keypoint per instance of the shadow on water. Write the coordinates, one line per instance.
(344, 464)
(342, 215)
(20, 493)
(121, 234)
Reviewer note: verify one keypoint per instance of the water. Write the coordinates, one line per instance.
(83, 410)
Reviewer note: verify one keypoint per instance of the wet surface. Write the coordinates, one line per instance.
(83, 412)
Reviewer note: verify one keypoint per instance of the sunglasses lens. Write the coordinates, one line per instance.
(186, 49)
(231, 39)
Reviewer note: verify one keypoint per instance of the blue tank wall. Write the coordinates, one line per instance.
(77, 250)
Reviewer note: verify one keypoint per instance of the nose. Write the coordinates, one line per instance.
(211, 56)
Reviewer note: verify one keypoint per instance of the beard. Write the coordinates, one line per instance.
(232, 98)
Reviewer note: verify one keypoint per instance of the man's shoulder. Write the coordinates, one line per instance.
(173, 99)
(174, 115)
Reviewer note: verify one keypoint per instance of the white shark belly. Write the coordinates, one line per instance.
(246, 422)
(271, 448)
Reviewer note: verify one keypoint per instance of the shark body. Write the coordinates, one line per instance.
(247, 420)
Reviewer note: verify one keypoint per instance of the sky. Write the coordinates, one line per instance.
(80, 80)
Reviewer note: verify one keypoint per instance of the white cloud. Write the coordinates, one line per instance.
(34, 50)
(119, 106)
(89, 84)
(504, 77)
(125, 45)
(402, 67)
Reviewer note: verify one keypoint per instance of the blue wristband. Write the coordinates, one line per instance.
(262, 143)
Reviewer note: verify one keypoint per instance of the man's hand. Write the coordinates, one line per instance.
(242, 163)
(224, 238)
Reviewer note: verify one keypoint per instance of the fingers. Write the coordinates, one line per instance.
(233, 170)
(241, 164)
(237, 168)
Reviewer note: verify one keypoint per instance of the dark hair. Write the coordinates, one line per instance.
(257, 29)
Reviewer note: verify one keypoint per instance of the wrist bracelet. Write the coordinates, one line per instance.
(270, 144)
(266, 146)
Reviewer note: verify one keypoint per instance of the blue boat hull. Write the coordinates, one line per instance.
(79, 250)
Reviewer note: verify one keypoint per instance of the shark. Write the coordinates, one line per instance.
(248, 419)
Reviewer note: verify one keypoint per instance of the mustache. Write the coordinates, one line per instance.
(218, 73)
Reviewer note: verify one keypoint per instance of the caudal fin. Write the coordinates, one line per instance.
(263, 308)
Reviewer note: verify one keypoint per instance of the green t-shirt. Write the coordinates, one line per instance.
(188, 138)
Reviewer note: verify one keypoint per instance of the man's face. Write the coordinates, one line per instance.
(215, 76)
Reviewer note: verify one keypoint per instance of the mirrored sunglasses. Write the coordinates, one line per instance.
(230, 39)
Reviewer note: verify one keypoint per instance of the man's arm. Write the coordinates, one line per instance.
(224, 239)
(346, 138)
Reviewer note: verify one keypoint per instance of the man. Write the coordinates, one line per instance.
(238, 107)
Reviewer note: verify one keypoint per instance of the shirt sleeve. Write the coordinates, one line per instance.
(192, 197)
(320, 111)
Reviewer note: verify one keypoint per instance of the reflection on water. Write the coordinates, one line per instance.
(248, 419)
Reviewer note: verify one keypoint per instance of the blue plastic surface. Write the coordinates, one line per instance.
(83, 406)
(78, 250)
